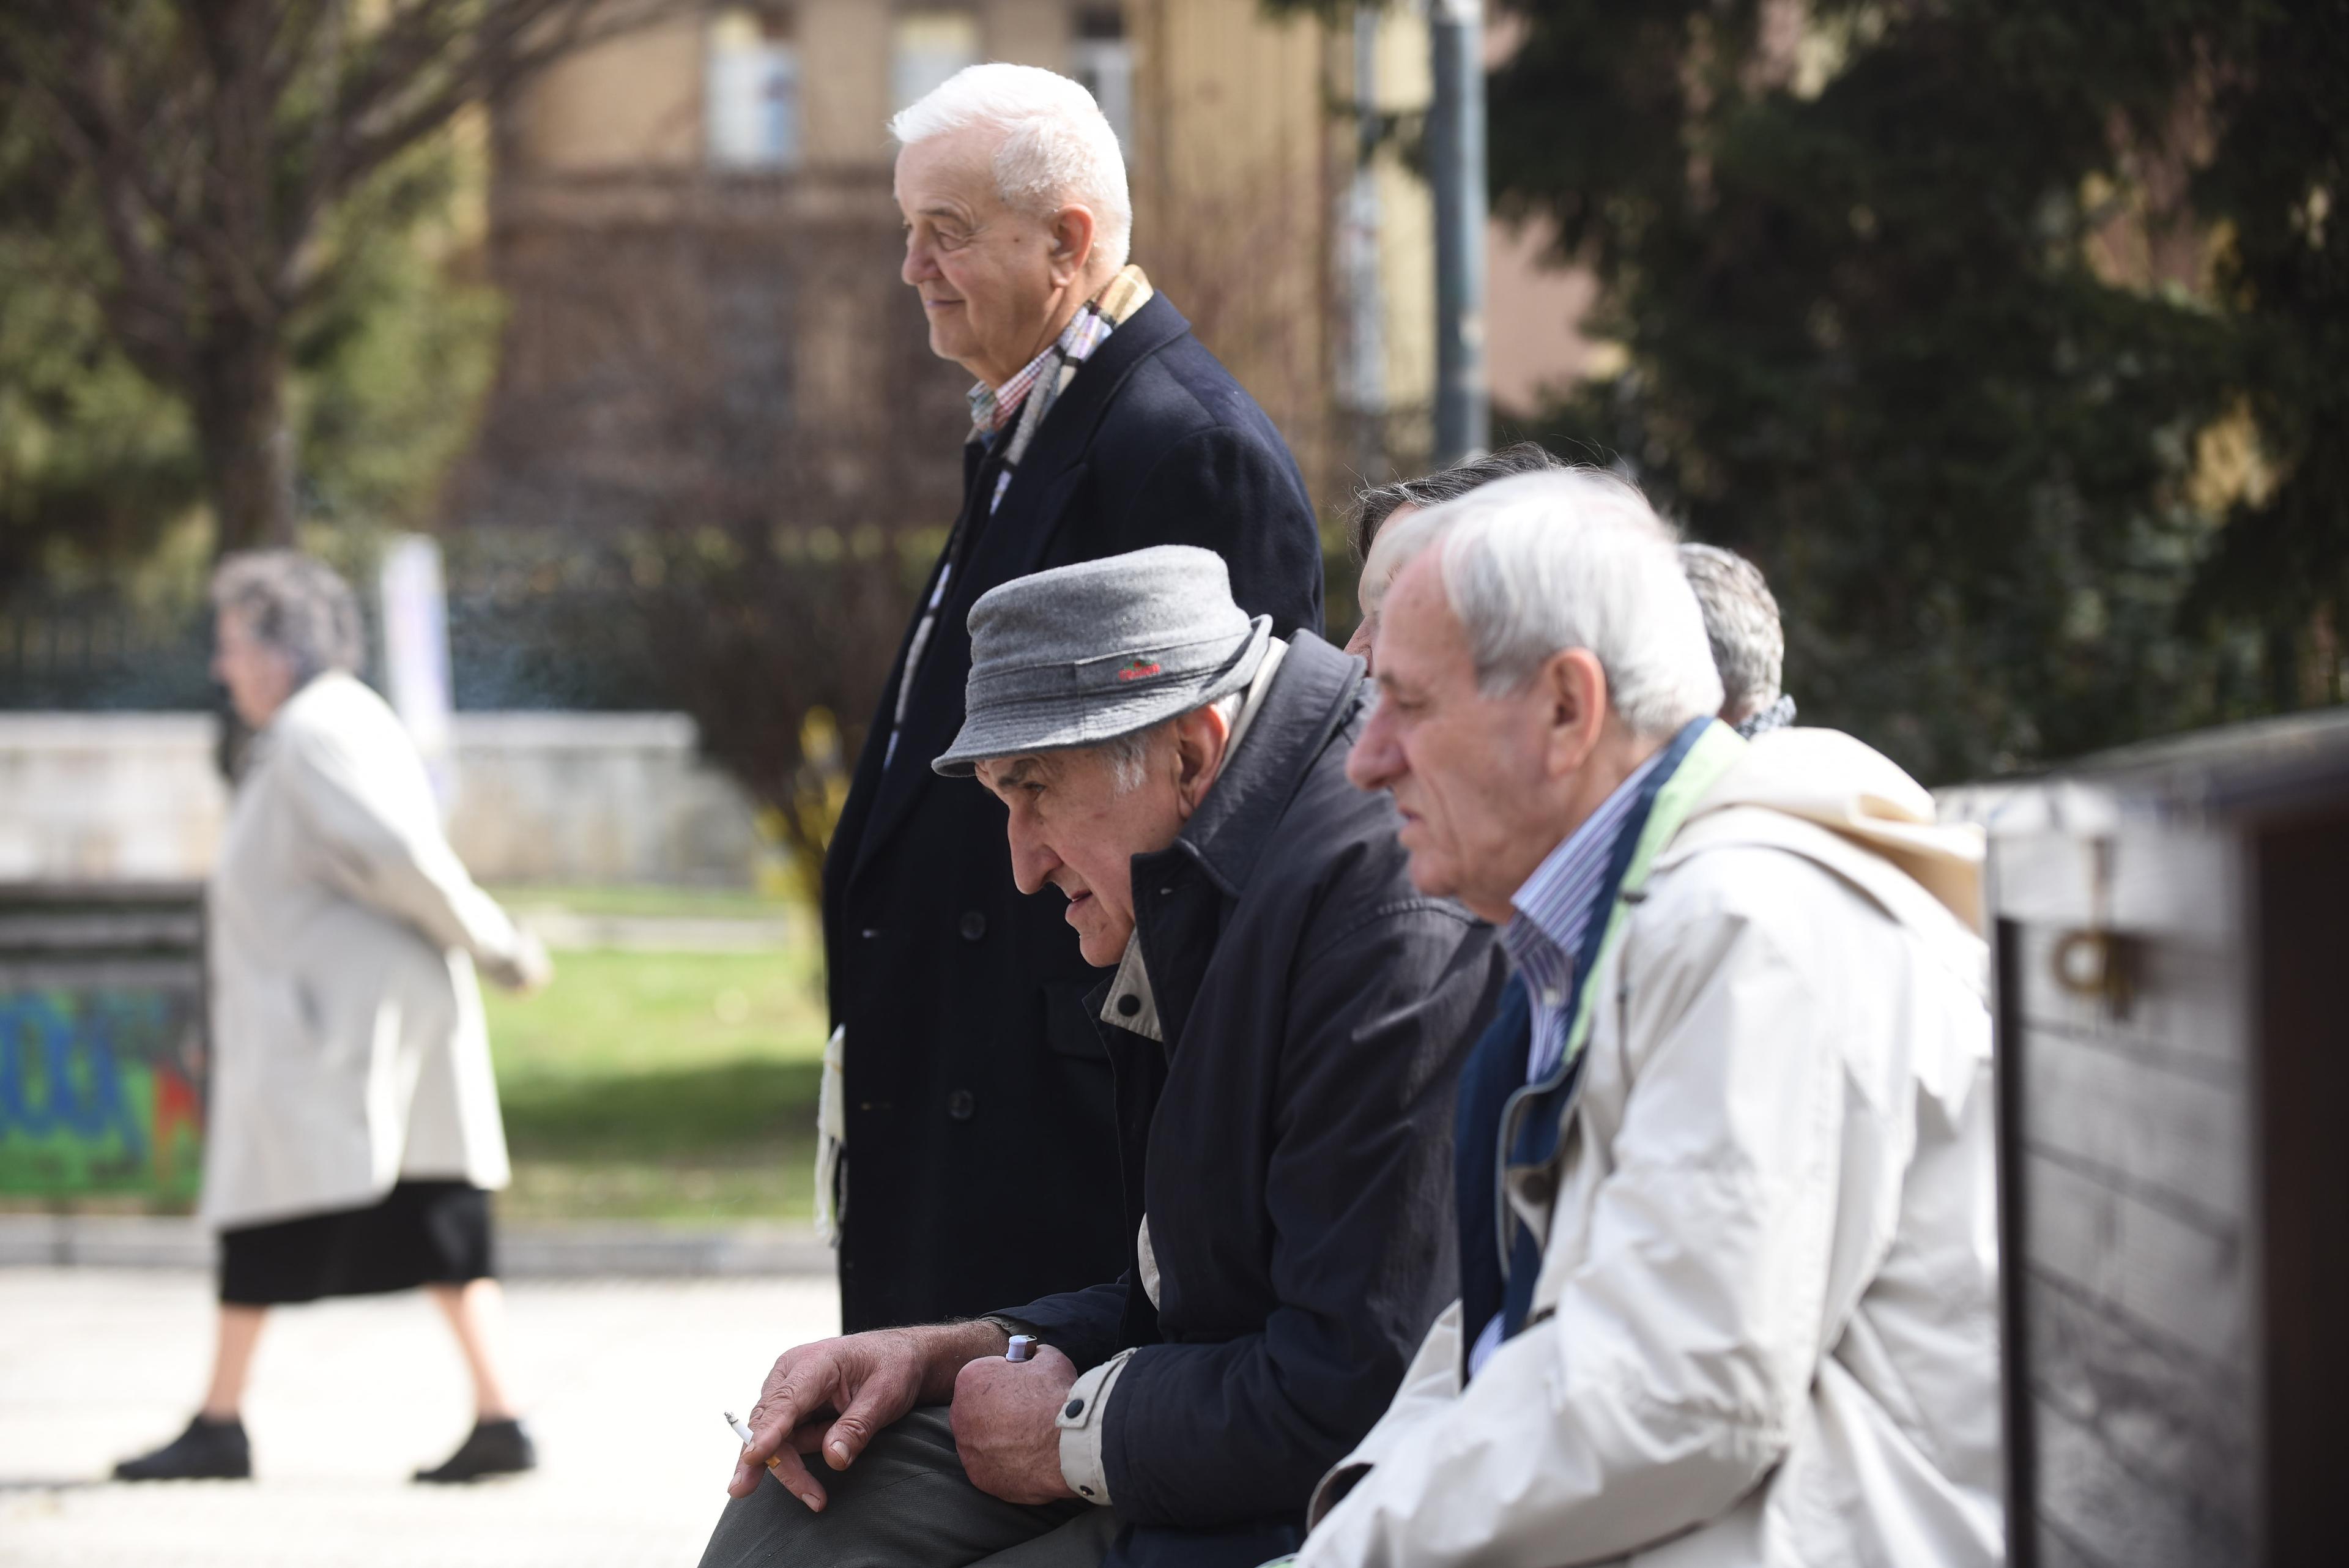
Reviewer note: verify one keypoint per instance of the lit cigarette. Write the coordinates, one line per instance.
(742, 1431)
(1023, 1347)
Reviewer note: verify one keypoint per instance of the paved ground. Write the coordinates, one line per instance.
(624, 1382)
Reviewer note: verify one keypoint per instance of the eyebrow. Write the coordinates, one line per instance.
(1016, 772)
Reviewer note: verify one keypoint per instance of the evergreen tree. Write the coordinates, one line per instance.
(2008, 339)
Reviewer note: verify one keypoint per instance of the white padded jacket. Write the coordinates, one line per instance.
(1764, 1331)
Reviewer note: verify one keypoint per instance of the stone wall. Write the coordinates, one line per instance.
(573, 798)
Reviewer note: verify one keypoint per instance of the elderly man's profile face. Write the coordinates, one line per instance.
(994, 282)
(1471, 774)
(1073, 828)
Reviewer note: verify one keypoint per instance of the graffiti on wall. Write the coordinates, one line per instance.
(98, 1092)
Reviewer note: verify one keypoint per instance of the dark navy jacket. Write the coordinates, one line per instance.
(1290, 1142)
(981, 1157)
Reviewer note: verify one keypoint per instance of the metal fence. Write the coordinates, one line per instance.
(574, 644)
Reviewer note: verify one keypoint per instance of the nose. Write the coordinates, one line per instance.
(920, 265)
(1032, 860)
(1376, 761)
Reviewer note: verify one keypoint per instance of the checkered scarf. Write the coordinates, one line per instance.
(1022, 402)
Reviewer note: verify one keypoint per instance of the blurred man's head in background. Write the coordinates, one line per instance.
(1380, 504)
(1749, 645)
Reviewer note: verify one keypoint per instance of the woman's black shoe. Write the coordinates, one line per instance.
(207, 1450)
(494, 1449)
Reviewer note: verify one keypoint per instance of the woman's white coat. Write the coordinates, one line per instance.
(349, 1047)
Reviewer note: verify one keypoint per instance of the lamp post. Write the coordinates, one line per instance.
(1455, 145)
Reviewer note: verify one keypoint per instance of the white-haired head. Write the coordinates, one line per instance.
(1741, 618)
(1537, 564)
(1057, 150)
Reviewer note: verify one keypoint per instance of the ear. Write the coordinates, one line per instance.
(1571, 686)
(1073, 231)
(1201, 739)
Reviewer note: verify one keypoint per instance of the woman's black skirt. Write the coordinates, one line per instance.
(423, 1233)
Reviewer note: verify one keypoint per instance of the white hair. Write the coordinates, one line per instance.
(296, 604)
(1543, 562)
(1741, 620)
(1128, 754)
(1056, 147)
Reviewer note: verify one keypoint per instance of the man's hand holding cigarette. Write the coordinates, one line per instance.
(834, 1397)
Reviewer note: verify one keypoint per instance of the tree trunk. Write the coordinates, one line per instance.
(239, 400)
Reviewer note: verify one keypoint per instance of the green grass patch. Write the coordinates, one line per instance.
(663, 1085)
(653, 903)
(644, 1086)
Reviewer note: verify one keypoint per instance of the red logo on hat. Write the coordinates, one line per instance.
(1135, 669)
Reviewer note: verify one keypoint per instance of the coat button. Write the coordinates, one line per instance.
(960, 1105)
(1128, 1004)
(1074, 1409)
(973, 926)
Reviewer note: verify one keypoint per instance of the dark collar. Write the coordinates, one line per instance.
(1067, 432)
(1313, 694)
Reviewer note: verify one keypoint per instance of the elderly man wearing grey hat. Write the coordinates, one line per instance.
(1286, 1018)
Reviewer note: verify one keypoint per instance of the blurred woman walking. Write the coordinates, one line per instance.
(354, 1135)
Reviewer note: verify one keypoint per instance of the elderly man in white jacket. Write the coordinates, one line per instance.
(1725, 1182)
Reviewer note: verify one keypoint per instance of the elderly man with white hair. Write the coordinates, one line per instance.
(1726, 1234)
(973, 1085)
(1287, 1017)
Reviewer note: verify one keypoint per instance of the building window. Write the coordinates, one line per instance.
(753, 90)
(929, 46)
(1101, 56)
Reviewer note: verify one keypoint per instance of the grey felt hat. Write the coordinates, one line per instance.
(1083, 654)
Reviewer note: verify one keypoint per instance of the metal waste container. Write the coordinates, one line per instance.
(2171, 935)
(102, 1041)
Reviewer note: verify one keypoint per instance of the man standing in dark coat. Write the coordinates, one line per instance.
(1286, 1018)
(974, 1085)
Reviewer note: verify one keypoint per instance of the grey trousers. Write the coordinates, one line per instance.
(906, 1503)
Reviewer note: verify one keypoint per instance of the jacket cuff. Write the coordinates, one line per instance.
(1084, 1422)
(1011, 1326)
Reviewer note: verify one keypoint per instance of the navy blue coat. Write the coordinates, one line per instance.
(981, 1154)
(1290, 1142)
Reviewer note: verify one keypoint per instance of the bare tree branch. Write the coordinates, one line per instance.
(211, 141)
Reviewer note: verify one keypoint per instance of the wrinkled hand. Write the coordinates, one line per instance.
(832, 1396)
(1004, 1425)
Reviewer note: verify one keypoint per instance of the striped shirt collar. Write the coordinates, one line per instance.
(993, 408)
(1554, 908)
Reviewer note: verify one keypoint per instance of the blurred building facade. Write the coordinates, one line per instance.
(694, 227)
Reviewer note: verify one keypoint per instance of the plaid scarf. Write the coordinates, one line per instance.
(1022, 403)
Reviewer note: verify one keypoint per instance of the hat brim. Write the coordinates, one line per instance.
(1072, 722)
